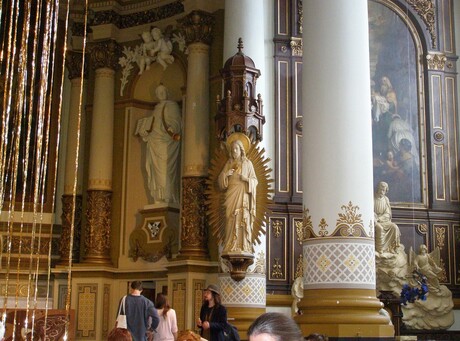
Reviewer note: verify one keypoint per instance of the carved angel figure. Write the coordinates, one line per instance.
(427, 264)
(155, 48)
(239, 181)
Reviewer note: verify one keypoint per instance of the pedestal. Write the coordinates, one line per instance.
(156, 234)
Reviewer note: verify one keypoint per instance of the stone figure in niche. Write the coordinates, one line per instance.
(155, 48)
(161, 132)
(238, 180)
(387, 234)
(297, 294)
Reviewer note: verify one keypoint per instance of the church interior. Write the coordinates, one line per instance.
(302, 156)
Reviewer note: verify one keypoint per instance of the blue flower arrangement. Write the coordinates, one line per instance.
(411, 294)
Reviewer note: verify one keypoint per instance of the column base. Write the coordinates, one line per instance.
(343, 312)
(242, 317)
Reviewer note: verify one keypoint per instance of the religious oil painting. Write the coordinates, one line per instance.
(397, 118)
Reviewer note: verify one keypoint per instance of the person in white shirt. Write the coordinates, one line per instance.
(167, 329)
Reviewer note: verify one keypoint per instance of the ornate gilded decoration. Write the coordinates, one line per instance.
(438, 136)
(87, 310)
(71, 214)
(105, 54)
(98, 224)
(259, 267)
(26, 245)
(156, 236)
(422, 228)
(307, 230)
(440, 233)
(138, 18)
(74, 64)
(440, 236)
(277, 269)
(299, 229)
(296, 47)
(299, 267)
(436, 61)
(277, 226)
(350, 223)
(323, 228)
(194, 235)
(24, 289)
(426, 10)
(197, 27)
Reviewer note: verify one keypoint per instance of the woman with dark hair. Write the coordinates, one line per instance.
(213, 315)
(167, 329)
(274, 327)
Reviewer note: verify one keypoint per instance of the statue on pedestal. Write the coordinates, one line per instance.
(238, 189)
(161, 132)
(239, 182)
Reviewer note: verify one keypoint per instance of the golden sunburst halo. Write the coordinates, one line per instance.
(216, 197)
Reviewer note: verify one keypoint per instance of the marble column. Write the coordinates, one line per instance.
(198, 34)
(338, 248)
(104, 58)
(73, 176)
(246, 300)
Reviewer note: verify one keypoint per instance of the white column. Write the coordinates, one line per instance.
(339, 260)
(244, 19)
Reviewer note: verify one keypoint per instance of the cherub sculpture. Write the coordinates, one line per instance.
(427, 264)
(155, 48)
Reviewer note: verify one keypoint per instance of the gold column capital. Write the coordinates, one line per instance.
(105, 54)
(197, 27)
(74, 64)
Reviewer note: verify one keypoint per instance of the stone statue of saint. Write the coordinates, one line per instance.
(238, 180)
(161, 132)
(387, 234)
